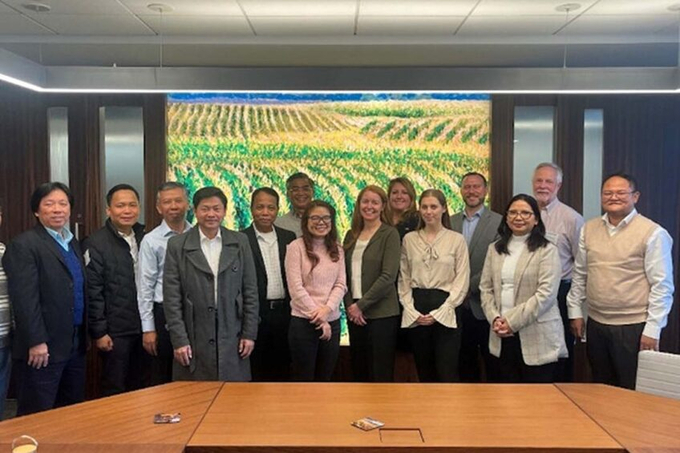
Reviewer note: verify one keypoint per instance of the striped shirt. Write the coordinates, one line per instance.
(5, 313)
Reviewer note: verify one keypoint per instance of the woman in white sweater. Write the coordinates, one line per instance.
(518, 288)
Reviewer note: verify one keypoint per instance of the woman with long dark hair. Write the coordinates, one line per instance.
(372, 251)
(518, 288)
(315, 272)
(402, 212)
(433, 280)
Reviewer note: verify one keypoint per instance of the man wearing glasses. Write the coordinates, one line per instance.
(300, 191)
(563, 226)
(624, 275)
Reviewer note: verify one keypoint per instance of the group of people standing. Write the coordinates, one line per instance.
(208, 303)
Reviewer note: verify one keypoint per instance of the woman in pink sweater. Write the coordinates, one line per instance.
(315, 271)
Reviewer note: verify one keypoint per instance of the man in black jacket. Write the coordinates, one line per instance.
(271, 359)
(113, 317)
(46, 282)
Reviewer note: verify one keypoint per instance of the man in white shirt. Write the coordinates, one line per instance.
(300, 192)
(563, 226)
(623, 275)
(271, 359)
(172, 204)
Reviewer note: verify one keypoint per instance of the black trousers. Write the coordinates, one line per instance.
(613, 352)
(56, 385)
(436, 348)
(372, 348)
(270, 361)
(474, 342)
(565, 367)
(512, 368)
(123, 365)
(161, 365)
(312, 359)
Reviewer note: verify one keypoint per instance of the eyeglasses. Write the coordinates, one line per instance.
(619, 194)
(524, 215)
(321, 218)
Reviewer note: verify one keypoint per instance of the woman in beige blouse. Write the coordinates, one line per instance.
(433, 280)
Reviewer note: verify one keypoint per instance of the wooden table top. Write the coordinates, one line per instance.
(314, 417)
(105, 425)
(638, 421)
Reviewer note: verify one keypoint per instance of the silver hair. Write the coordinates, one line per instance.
(558, 170)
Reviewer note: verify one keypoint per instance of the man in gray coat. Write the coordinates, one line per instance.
(479, 227)
(210, 296)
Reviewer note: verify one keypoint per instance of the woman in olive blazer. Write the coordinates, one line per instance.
(518, 288)
(371, 303)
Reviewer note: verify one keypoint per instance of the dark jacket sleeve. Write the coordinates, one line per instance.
(251, 303)
(173, 295)
(96, 281)
(391, 256)
(23, 280)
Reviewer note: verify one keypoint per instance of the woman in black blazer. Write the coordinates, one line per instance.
(372, 254)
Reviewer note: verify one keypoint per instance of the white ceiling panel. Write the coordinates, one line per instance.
(416, 7)
(510, 26)
(527, 7)
(413, 26)
(303, 26)
(16, 24)
(85, 24)
(72, 7)
(299, 7)
(199, 25)
(633, 7)
(619, 25)
(188, 7)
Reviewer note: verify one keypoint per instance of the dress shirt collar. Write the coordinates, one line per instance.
(205, 238)
(626, 220)
(63, 238)
(477, 214)
(550, 207)
(269, 237)
(165, 230)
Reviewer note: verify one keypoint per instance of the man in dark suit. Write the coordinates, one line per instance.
(271, 358)
(479, 226)
(46, 278)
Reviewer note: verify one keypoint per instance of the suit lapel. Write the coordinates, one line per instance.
(229, 248)
(282, 247)
(481, 229)
(255, 246)
(52, 245)
(522, 263)
(195, 253)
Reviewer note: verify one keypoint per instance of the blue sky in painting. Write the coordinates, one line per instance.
(296, 98)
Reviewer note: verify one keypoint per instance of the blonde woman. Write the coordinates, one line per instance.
(372, 253)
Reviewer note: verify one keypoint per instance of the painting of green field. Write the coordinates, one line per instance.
(242, 141)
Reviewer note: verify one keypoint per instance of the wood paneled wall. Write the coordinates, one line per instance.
(641, 137)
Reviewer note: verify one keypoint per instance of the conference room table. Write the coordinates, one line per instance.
(312, 417)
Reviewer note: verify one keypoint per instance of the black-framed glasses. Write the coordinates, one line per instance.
(524, 215)
(321, 218)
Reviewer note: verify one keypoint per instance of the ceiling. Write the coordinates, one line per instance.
(472, 33)
(338, 33)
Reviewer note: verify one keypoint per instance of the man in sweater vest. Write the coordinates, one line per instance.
(624, 273)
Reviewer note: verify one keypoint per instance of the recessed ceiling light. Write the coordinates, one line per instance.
(675, 8)
(568, 7)
(37, 7)
(160, 8)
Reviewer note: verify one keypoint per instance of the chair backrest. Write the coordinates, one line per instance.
(659, 374)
